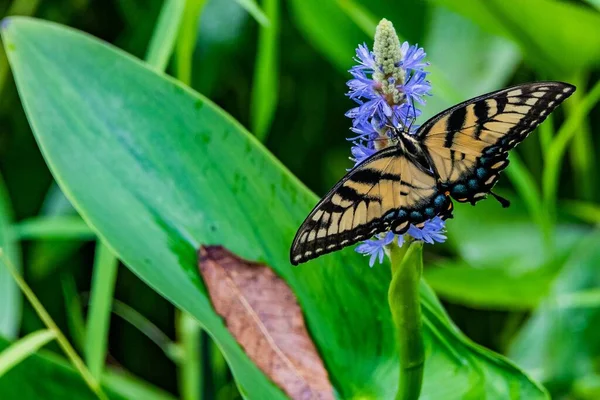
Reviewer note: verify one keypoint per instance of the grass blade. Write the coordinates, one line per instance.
(587, 212)
(23, 348)
(551, 173)
(525, 185)
(103, 285)
(152, 332)
(186, 40)
(165, 34)
(73, 311)
(266, 76)
(49, 322)
(254, 10)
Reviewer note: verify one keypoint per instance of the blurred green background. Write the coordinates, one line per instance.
(523, 281)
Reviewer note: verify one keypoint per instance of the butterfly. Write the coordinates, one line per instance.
(458, 154)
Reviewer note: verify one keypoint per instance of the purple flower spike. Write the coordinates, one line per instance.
(386, 94)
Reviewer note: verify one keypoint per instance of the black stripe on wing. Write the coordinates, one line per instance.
(386, 191)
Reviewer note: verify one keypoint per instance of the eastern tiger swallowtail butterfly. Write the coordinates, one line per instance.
(457, 153)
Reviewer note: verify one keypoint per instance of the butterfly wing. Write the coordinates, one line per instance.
(386, 191)
(468, 144)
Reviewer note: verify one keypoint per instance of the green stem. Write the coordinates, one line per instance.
(190, 376)
(89, 379)
(403, 297)
(101, 297)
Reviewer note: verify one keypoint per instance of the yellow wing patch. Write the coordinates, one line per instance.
(467, 145)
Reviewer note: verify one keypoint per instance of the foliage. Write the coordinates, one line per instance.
(151, 170)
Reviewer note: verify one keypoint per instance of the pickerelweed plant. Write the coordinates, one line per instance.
(387, 83)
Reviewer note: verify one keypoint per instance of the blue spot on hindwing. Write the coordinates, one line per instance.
(440, 200)
(459, 189)
(481, 172)
(416, 215)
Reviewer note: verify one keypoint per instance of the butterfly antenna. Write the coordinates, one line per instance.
(505, 203)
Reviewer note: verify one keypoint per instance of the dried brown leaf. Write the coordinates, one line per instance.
(262, 313)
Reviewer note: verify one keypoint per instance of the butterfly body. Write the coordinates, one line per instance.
(457, 154)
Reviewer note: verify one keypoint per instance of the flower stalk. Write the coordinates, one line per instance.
(403, 298)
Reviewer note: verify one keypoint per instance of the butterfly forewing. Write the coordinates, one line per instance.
(459, 152)
(386, 191)
(467, 144)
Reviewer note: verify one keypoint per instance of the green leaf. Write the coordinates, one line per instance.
(23, 348)
(54, 227)
(55, 379)
(164, 35)
(587, 212)
(253, 9)
(131, 387)
(171, 171)
(595, 3)
(10, 296)
(188, 32)
(497, 288)
(266, 74)
(560, 343)
(557, 36)
(503, 264)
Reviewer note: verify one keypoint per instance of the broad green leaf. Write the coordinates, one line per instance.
(23, 348)
(560, 343)
(557, 36)
(43, 375)
(157, 170)
(10, 296)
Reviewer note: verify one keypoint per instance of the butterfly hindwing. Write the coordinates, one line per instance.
(386, 191)
(468, 144)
